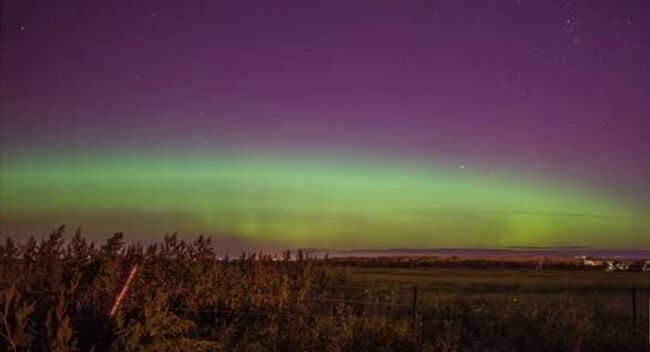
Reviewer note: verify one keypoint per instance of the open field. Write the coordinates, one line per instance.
(66, 296)
(504, 309)
(499, 280)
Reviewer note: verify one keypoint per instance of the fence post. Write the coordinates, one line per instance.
(122, 293)
(634, 305)
(414, 309)
(103, 333)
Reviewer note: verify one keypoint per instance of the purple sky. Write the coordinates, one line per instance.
(556, 87)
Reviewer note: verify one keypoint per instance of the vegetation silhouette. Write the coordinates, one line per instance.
(56, 295)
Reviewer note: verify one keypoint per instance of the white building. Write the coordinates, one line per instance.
(646, 266)
(586, 261)
(616, 266)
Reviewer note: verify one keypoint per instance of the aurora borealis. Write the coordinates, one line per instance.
(317, 201)
(329, 125)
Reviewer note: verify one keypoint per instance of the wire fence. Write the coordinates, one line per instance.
(395, 302)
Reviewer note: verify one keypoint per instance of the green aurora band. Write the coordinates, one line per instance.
(318, 202)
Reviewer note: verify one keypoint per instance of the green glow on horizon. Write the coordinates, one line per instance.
(320, 202)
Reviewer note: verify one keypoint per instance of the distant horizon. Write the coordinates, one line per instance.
(463, 252)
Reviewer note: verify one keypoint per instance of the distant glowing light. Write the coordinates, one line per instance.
(311, 201)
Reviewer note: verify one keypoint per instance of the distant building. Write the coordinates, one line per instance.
(646, 266)
(586, 261)
(616, 266)
(609, 265)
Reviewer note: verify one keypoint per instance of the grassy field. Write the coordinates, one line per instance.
(58, 295)
(476, 280)
(505, 309)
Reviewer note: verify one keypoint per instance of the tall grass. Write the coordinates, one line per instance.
(55, 295)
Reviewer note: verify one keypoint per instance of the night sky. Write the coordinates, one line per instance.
(338, 124)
